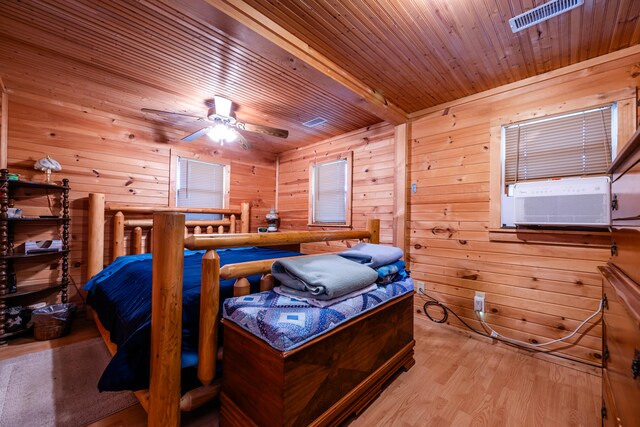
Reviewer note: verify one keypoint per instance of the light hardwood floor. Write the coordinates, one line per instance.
(457, 381)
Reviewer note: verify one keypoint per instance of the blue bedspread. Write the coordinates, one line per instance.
(286, 323)
(121, 296)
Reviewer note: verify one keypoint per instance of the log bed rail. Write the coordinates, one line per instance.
(163, 400)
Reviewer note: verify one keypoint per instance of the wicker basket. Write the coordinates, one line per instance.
(50, 329)
(52, 321)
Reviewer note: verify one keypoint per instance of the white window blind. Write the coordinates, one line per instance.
(330, 192)
(200, 185)
(576, 144)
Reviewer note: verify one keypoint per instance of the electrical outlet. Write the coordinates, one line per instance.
(478, 302)
(420, 286)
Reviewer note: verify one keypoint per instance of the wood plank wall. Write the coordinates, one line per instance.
(537, 290)
(100, 152)
(373, 182)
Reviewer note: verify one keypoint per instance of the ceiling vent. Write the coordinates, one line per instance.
(315, 122)
(542, 13)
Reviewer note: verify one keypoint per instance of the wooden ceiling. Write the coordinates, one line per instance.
(120, 56)
(421, 53)
(353, 62)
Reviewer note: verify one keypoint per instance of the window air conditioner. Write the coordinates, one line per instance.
(564, 202)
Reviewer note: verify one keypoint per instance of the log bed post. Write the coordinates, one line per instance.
(137, 240)
(95, 238)
(232, 226)
(241, 287)
(373, 227)
(118, 235)
(166, 321)
(209, 307)
(244, 217)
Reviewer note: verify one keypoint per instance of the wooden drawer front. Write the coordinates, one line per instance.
(610, 414)
(622, 339)
(625, 257)
(626, 191)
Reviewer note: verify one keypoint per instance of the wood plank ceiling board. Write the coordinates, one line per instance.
(120, 56)
(421, 53)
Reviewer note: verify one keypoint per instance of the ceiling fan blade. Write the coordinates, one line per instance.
(169, 113)
(280, 133)
(196, 135)
(243, 141)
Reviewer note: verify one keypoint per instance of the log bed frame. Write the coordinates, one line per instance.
(245, 398)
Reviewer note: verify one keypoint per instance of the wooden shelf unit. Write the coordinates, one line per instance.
(8, 258)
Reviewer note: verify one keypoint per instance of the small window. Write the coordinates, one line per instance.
(330, 193)
(569, 145)
(201, 185)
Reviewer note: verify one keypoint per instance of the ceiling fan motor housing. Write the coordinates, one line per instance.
(229, 120)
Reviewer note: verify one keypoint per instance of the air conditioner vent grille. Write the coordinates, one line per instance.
(542, 13)
(566, 202)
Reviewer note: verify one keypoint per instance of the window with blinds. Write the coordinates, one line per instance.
(577, 144)
(200, 185)
(330, 192)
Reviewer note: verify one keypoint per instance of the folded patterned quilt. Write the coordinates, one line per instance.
(391, 272)
(372, 255)
(322, 277)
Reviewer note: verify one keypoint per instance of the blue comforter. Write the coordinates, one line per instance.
(121, 296)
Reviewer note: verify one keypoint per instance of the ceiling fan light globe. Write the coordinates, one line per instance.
(217, 132)
(230, 135)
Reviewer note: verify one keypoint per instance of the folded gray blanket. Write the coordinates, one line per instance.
(323, 276)
(372, 255)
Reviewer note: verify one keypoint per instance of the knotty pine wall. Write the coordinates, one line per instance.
(536, 290)
(104, 153)
(373, 185)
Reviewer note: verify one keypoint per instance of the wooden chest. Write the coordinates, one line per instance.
(321, 382)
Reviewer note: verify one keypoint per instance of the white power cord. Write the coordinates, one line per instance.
(496, 334)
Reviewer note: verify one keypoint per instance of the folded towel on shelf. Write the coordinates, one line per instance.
(391, 272)
(292, 293)
(322, 277)
(372, 255)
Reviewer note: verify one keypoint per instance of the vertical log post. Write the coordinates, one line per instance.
(232, 227)
(95, 237)
(209, 303)
(150, 239)
(210, 229)
(221, 229)
(266, 282)
(118, 235)
(166, 321)
(137, 240)
(244, 217)
(373, 227)
(241, 287)
(197, 230)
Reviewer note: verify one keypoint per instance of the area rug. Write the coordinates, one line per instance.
(58, 387)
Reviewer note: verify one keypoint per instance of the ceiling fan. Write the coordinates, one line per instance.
(224, 126)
